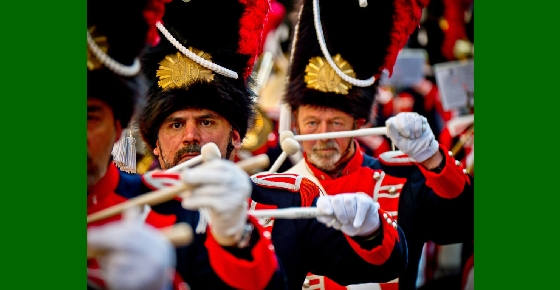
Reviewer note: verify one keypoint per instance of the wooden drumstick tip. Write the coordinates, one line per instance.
(179, 235)
(254, 163)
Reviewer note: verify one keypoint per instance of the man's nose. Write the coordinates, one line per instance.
(323, 128)
(191, 133)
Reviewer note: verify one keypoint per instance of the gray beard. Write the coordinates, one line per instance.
(325, 162)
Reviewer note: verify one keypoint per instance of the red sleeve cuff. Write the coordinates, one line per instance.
(378, 255)
(450, 182)
(243, 274)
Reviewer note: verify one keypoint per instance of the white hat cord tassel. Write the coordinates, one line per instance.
(124, 153)
(113, 65)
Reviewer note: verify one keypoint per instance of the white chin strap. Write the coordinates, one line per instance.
(201, 61)
(326, 54)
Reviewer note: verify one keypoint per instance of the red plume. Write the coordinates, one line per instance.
(252, 24)
(153, 13)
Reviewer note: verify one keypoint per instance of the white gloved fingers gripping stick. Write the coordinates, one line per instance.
(170, 192)
(222, 188)
(413, 135)
(355, 214)
(208, 151)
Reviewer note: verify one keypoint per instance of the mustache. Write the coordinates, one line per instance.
(330, 144)
(190, 148)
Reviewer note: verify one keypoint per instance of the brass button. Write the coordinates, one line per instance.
(376, 176)
(450, 153)
(457, 162)
(392, 190)
(306, 283)
(266, 234)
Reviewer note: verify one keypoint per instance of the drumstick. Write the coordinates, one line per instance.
(289, 147)
(152, 198)
(253, 163)
(287, 213)
(168, 193)
(208, 151)
(179, 235)
(343, 134)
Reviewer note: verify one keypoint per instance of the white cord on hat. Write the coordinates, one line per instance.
(323, 45)
(110, 63)
(205, 63)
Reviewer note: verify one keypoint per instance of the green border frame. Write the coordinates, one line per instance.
(516, 195)
(44, 87)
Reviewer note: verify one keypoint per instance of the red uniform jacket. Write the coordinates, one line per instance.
(203, 264)
(428, 206)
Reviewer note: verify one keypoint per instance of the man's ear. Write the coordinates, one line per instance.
(156, 150)
(118, 130)
(236, 139)
(294, 123)
(360, 122)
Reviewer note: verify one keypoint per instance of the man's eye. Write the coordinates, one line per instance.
(206, 122)
(176, 125)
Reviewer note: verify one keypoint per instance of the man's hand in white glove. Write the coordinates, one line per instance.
(355, 214)
(135, 256)
(412, 134)
(223, 188)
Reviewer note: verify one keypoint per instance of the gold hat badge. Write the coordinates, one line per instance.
(101, 41)
(320, 76)
(178, 71)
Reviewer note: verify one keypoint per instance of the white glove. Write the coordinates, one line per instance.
(135, 255)
(355, 214)
(413, 135)
(223, 189)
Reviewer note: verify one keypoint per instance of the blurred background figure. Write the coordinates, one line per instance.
(270, 72)
(447, 34)
(446, 38)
